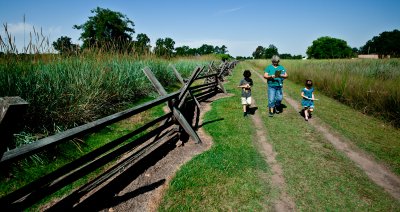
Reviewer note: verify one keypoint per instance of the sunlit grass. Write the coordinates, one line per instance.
(370, 86)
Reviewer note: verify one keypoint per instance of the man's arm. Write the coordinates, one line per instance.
(285, 75)
(266, 76)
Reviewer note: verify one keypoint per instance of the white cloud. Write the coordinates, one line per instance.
(24, 33)
(229, 10)
(18, 28)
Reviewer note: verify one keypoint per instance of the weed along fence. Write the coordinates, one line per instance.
(130, 150)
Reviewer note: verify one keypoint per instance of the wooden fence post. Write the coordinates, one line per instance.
(181, 98)
(11, 111)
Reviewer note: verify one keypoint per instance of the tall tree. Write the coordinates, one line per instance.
(142, 44)
(258, 53)
(220, 50)
(270, 51)
(182, 50)
(164, 47)
(205, 49)
(387, 43)
(107, 29)
(64, 45)
(329, 48)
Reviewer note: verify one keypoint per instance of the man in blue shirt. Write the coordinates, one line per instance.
(275, 74)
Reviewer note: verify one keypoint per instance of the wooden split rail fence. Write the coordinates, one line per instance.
(135, 146)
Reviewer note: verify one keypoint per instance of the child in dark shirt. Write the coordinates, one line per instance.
(246, 84)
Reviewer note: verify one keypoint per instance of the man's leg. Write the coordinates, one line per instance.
(271, 100)
(278, 100)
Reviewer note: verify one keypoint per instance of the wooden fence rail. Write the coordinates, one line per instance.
(135, 145)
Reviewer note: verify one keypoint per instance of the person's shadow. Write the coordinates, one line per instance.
(252, 110)
(282, 106)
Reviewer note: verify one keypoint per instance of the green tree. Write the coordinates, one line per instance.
(142, 44)
(164, 47)
(64, 45)
(329, 48)
(220, 50)
(182, 51)
(387, 43)
(270, 51)
(205, 49)
(106, 29)
(258, 53)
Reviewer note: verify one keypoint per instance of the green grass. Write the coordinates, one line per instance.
(318, 177)
(369, 133)
(232, 175)
(379, 139)
(370, 86)
(66, 92)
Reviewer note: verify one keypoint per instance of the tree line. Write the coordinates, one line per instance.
(386, 44)
(112, 31)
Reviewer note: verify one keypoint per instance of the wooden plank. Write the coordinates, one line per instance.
(202, 86)
(177, 74)
(210, 86)
(190, 81)
(223, 69)
(32, 148)
(184, 94)
(38, 194)
(186, 126)
(44, 180)
(12, 110)
(195, 99)
(221, 86)
(160, 89)
(206, 76)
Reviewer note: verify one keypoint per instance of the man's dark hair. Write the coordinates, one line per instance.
(246, 73)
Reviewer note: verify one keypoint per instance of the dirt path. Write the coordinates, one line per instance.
(284, 203)
(375, 171)
(146, 191)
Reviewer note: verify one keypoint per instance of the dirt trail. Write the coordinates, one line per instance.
(150, 186)
(377, 172)
(284, 203)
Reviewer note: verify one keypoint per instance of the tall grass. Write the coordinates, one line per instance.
(371, 86)
(72, 89)
(75, 90)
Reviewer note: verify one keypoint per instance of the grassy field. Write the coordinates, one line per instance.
(370, 86)
(73, 91)
(380, 139)
(66, 92)
(318, 177)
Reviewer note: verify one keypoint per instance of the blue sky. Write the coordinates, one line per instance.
(290, 25)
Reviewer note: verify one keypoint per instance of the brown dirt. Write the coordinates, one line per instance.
(284, 203)
(376, 171)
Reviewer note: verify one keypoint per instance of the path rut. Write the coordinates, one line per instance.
(376, 171)
(284, 203)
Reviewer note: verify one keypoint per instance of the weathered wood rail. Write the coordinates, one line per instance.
(134, 146)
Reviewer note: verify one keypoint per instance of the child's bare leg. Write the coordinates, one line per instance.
(244, 108)
(310, 111)
(306, 114)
